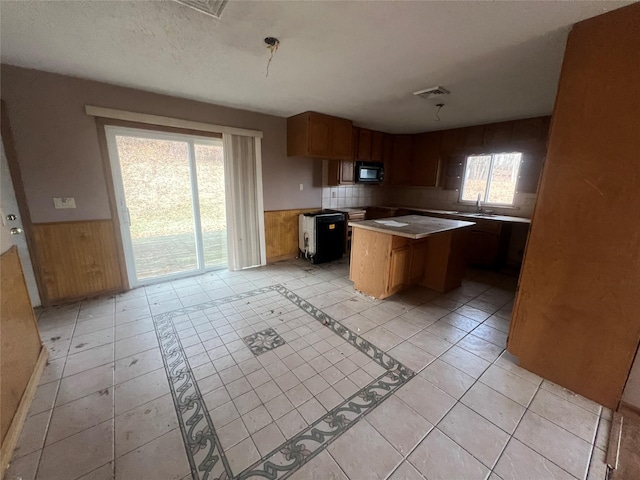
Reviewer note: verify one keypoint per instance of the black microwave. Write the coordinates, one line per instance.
(369, 172)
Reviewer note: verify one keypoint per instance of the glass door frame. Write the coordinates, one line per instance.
(124, 219)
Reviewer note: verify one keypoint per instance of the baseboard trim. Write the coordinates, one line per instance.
(629, 406)
(13, 434)
(615, 436)
(279, 258)
(67, 300)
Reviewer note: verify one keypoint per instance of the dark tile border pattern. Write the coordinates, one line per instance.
(205, 455)
(263, 341)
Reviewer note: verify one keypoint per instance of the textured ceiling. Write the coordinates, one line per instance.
(359, 60)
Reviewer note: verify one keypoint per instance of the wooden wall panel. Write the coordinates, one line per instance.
(576, 319)
(281, 233)
(77, 259)
(19, 337)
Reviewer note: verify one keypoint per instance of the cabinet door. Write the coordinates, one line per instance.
(320, 135)
(341, 139)
(341, 172)
(483, 248)
(374, 213)
(401, 163)
(377, 146)
(452, 171)
(530, 169)
(530, 130)
(387, 157)
(418, 260)
(399, 268)
(472, 137)
(498, 135)
(452, 141)
(364, 145)
(347, 174)
(334, 170)
(426, 159)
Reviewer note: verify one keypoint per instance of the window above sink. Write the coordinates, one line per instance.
(491, 178)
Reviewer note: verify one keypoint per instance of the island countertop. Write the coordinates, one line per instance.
(417, 226)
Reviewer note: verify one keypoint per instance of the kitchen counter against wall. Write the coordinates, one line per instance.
(495, 241)
(467, 215)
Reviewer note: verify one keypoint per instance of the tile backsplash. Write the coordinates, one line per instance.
(352, 196)
(439, 199)
(419, 197)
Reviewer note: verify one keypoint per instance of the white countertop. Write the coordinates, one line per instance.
(418, 226)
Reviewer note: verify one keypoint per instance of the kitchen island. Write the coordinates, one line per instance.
(390, 255)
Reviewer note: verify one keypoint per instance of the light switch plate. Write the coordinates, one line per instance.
(64, 202)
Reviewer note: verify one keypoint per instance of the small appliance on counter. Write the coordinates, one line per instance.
(321, 235)
(369, 172)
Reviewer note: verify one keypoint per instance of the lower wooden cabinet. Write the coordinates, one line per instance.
(400, 267)
(407, 265)
(419, 251)
(483, 249)
(383, 264)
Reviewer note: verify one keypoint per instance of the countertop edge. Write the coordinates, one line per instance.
(389, 230)
(466, 215)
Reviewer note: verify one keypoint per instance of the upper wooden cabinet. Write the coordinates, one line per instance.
(387, 156)
(531, 130)
(377, 147)
(364, 145)
(316, 135)
(425, 160)
(415, 160)
(400, 168)
(498, 135)
(343, 172)
(370, 146)
(341, 138)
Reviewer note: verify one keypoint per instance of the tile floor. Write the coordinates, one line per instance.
(286, 372)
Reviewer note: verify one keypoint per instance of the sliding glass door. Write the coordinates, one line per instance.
(171, 202)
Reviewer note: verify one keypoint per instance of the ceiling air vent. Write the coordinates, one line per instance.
(433, 92)
(210, 7)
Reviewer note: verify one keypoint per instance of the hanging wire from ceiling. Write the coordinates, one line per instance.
(439, 105)
(272, 44)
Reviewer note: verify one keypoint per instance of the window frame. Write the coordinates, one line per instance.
(488, 187)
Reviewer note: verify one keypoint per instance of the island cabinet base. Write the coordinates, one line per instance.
(383, 264)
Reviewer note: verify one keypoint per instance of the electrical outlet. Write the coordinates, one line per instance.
(333, 194)
(64, 202)
(301, 186)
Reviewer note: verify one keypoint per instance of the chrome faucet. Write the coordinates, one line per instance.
(479, 203)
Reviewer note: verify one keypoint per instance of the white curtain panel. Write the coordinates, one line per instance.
(245, 215)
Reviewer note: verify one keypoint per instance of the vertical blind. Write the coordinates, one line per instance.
(245, 216)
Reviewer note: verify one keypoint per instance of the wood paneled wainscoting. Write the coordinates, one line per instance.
(281, 233)
(77, 259)
(23, 356)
